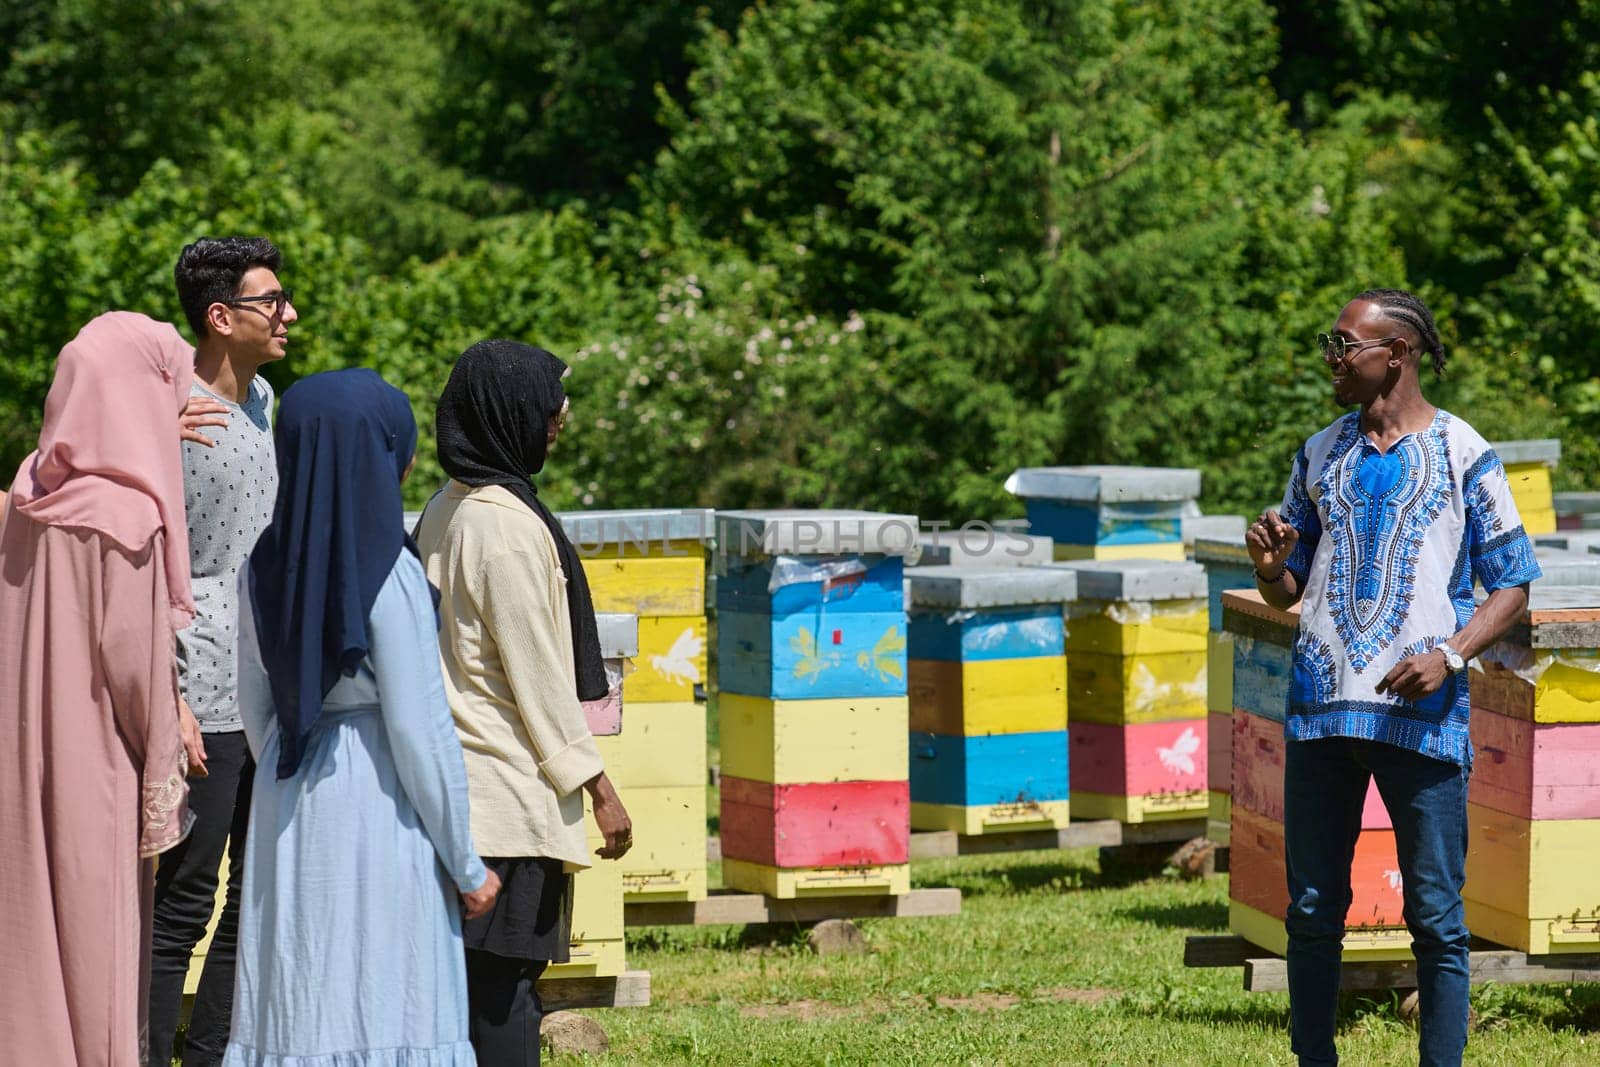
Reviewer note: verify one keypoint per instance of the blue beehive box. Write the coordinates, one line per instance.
(1107, 511)
(1228, 566)
(822, 623)
(990, 770)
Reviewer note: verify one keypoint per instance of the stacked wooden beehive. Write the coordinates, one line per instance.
(811, 652)
(652, 563)
(1528, 467)
(597, 949)
(1136, 690)
(1533, 869)
(1577, 510)
(1263, 640)
(1228, 567)
(1108, 512)
(988, 690)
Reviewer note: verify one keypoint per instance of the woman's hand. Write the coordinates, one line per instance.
(611, 817)
(200, 411)
(478, 902)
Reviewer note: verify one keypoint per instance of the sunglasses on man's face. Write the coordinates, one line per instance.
(278, 301)
(1335, 347)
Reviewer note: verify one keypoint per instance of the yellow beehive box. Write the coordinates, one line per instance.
(665, 744)
(1373, 944)
(1567, 689)
(1150, 807)
(592, 959)
(648, 586)
(596, 890)
(787, 884)
(991, 818)
(1139, 629)
(1219, 673)
(680, 549)
(835, 740)
(1533, 884)
(1531, 491)
(671, 661)
(1117, 690)
(668, 857)
(197, 961)
(614, 751)
(1174, 550)
(995, 696)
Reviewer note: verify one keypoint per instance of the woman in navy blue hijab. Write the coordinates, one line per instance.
(359, 856)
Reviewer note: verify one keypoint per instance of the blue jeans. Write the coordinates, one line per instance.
(1325, 785)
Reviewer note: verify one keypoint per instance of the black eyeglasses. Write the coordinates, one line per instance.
(1335, 347)
(278, 300)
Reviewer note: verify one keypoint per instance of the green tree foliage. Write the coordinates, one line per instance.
(833, 252)
(1062, 254)
(558, 99)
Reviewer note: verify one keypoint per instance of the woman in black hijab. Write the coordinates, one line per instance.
(520, 652)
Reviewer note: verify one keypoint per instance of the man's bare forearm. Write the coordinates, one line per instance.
(1497, 614)
(1282, 594)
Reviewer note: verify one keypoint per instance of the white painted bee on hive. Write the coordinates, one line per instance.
(1179, 759)
(679, 662)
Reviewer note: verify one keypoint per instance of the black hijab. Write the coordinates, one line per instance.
(344, 440)
(492, 422)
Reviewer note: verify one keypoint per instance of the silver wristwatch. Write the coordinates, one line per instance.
(1452, 658)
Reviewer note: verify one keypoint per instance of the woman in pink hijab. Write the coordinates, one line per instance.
(94, 582)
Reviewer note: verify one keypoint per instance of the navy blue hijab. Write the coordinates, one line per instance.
(344, 440)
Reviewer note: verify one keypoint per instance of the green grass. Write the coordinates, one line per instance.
(1050, 961)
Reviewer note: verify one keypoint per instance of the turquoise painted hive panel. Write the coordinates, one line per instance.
(965, 637)
(1261, 674)
(812, 654)
(999, 769)
(1133, 523)
(1221, 577)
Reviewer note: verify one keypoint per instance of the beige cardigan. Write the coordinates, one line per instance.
(506, 644)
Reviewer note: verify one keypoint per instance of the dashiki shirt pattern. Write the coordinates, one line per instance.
(1390, 545)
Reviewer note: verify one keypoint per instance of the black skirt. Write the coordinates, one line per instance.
(532, 917)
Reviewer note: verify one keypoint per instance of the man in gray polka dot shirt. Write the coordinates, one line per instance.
(240, 315)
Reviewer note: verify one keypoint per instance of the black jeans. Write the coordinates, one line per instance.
(503, 1008)
(186, 889)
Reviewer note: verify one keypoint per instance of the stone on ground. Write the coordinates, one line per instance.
(835, 937)
(568, 1033)
(1195, 859)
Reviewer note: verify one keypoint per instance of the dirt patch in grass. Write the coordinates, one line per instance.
(799, 1010)
(980, 1002)
(1073, 995)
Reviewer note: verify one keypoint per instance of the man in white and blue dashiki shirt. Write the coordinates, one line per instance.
(1391, 514)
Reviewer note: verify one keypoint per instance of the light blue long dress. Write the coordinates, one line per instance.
(350, 950)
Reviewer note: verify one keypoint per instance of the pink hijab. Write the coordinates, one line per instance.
(109, 456)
